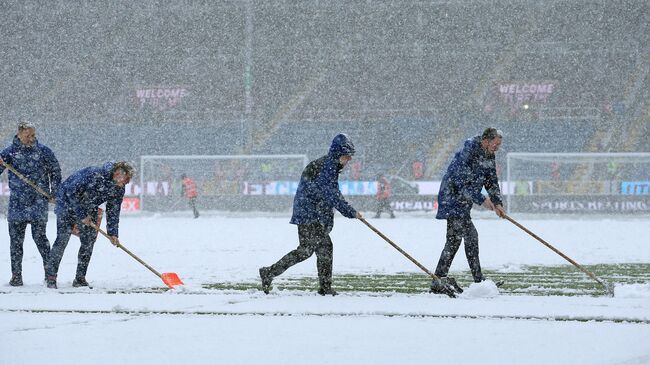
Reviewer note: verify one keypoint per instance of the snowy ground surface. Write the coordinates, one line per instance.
(116, 323)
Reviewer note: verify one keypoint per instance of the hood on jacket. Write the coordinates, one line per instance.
(341, 145)
(18, 144)
(106, 169)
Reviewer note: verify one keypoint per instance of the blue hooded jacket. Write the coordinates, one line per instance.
(81, 194)
(318, 192)
(471, 169)
(38, 164)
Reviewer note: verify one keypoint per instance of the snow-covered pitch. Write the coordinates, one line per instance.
(117, 323)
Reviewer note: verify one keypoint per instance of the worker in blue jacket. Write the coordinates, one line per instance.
(316, 198)
(472, 169)
(37, 163)
(77, 201)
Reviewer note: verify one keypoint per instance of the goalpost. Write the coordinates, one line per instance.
(220, 179)
(579, 183)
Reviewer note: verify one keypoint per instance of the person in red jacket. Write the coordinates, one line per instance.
(188, 190)
(383, 196)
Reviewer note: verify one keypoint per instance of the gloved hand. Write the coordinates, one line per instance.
(114, 240)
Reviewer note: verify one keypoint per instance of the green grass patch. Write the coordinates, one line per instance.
(531, 280)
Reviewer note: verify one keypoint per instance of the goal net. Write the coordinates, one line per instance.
(579, 183)
(223, 182)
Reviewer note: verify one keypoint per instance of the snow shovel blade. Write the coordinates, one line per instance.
(171, 279)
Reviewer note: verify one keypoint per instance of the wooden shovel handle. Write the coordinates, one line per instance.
(399, 249)
(589, 273)
(98, 229)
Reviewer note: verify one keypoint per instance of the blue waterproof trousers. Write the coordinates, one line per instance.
(457, 230)
(313, 238)
(17, 237)
(87, 235)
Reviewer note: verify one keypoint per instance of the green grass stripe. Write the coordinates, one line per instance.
(564, 280)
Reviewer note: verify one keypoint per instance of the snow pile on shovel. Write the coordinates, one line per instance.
(485, 289)
(632, 291)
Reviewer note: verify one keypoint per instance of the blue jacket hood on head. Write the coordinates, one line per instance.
(341, 145)
(38, 164)
(318, 192)
(82, 192)
(471, 169)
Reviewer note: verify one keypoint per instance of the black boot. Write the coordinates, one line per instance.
(442, 286)
(326, 287)
(265, 275)
(452, 282)
(79, 281)
(327, 291)
(16, 280)
(50, 281)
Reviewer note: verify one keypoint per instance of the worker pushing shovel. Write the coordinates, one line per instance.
(317, 196)
(26, 207)
(77, 202)
(472, 169)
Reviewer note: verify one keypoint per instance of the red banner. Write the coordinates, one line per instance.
(131, 205)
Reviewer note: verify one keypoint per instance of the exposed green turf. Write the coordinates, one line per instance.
(532, 280)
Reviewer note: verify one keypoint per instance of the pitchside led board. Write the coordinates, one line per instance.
(579, 183)
(635, 187)
(546, 183)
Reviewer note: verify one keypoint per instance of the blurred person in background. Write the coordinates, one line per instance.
(472, 168)
(189, 191)
(383, 196)
(418, 169)
(38, 164)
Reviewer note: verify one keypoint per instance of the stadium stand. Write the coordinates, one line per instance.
(406, 79)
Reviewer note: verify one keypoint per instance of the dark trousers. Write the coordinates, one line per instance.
(457, 230)
(87, 236)
(313, 238)
(17, 237)
(384, 204)
(193, 205)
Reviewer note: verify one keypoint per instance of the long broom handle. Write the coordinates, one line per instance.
(26, 180)
(98, 229)
(38, 189)
(591, 275)
(399, 249)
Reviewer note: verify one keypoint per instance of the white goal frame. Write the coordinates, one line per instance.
(143, 158)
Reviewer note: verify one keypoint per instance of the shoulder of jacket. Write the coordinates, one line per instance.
(315, 166)
(91, 174)
(472, 143)
(10, 147)
(45, 148)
